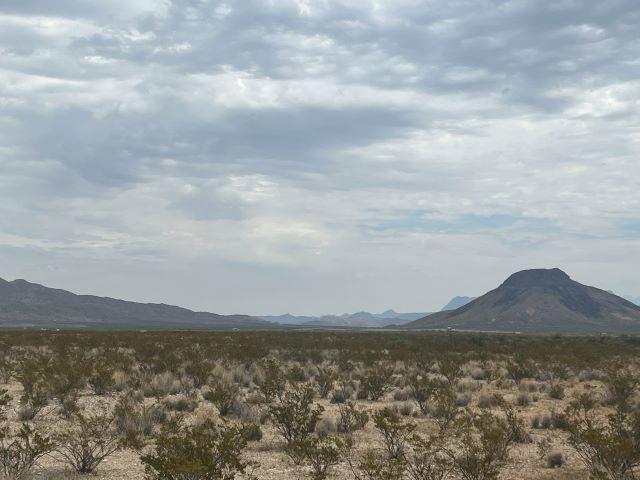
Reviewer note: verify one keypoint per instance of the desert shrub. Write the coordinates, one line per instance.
(325, 379)
(523, 399)
(427, 460)
(424, 390)
(295, 374)
(609, 448)
(252, 432)
(20, 452)
(339, 397)
(206, 452)
(134, 421)
(463, 399)
(101, 377)
(555, 460)
(294, 414)
(223, 395)
(395, 432)
(325, 426)
(489, 401)
(33, 401)
(444, 408)
(520, 368)
(621, 383)
(530, 387)
(556, 391)
(371, 465)
(36, 389)
(344, 391)
(322, 454)
(7, 367)
(252, 414)
(86, 442)
(5, 400)
(351, 418)
(483, 447)
(401, 395)
(517, 430)
(120, 380)
(544, 421)
(406, 409)
(451, 368)
(376, 381)
(197, 369)
(161, 385)
(180, 403)
(274, 381)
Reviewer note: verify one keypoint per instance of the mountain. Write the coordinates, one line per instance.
(28, 305)
(457, 302)
(540, 300)
(356, 320)
(288, 319)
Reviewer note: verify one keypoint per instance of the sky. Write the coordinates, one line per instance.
(315, 157)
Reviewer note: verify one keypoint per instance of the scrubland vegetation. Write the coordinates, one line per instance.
(273, 405)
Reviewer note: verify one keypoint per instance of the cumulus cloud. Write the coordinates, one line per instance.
(317, 156)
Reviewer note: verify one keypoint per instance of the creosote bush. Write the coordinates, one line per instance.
(19, 452)
(87, 441)
(294, 414)
(609, 447)
(223, 395)
(204, 452)
(351, 418)
(483, 446)
(376, 381)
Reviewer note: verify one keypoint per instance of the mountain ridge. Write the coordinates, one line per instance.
(30, 305)
(540, 300)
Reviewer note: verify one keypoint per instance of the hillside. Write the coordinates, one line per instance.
(28, 305)
(540, 301)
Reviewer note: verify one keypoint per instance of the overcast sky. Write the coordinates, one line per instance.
(314, 157)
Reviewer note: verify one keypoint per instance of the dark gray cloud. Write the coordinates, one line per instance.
(318, 147)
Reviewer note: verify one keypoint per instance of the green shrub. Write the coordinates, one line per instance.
(20, 452)
(205, 452)
(223, 395)
(294, 414)
(86, 442)
(321, 453)
(450, 367)
(555, 460)
(376, 381)
(274, 382)
(610, 447)
(351, 418)
(395, 432)
(427, 460)
(373, 466)
(556, 392)
(324, 380)
(483, 447)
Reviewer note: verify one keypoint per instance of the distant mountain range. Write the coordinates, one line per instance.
(361, 319)
(29, 305)
(355, 320)
(540, 300)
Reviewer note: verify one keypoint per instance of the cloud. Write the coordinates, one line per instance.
(322, 156)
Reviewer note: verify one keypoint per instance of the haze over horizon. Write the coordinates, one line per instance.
(317, 157)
